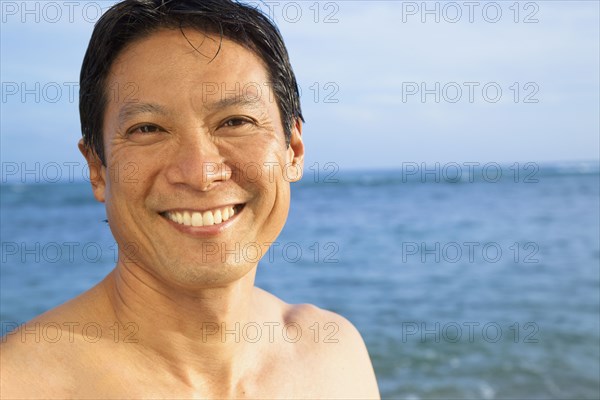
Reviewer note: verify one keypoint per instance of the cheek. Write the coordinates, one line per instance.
(259, 160)
(127, 177)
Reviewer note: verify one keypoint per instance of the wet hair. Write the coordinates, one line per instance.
(132, 20)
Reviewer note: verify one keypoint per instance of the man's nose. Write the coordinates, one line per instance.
(198, 164)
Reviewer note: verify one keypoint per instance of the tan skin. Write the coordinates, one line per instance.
(163, 308)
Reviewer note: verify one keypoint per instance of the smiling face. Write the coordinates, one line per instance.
(197, 173)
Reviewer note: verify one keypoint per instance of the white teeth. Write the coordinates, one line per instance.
(218, 217)
(207, 218)
(187, 219)
(197, 219)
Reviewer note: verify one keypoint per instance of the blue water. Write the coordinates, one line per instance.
(513, 267)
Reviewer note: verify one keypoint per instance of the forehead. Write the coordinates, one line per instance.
(186, 63)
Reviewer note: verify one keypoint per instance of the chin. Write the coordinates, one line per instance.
(194, 276)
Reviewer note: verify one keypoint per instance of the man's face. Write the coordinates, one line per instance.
(187, 140)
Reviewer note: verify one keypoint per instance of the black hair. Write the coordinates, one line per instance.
(132, 20)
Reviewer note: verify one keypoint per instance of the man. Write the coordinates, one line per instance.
(177, 100)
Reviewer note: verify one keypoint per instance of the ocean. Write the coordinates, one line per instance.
(476, 286)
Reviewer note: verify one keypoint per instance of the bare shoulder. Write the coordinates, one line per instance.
(27, 354)
(331, 350)
(50, 342)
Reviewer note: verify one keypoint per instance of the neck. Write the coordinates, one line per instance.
(194, 334)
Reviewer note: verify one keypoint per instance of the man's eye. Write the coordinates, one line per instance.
(144, 129)
(234, 122)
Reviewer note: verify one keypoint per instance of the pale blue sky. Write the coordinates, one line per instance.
(370, 61)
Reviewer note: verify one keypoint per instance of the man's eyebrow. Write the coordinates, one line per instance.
(131, 109)
(240, 101)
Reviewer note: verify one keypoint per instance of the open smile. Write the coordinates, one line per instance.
(195, 218)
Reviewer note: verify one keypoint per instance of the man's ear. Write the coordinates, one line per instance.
(97, 171)
(295, 154)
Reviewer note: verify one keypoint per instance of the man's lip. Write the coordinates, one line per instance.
(207, 230)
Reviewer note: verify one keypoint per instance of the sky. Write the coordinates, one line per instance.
(383, 82)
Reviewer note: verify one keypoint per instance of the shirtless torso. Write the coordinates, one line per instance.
(292, 352)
